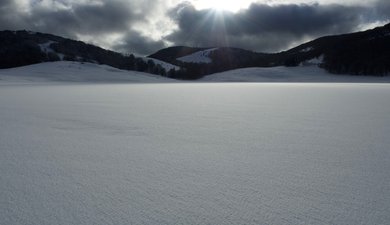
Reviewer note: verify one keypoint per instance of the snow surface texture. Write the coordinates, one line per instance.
(195, 154)
(289, 74)
(198, 57)
(75, 72)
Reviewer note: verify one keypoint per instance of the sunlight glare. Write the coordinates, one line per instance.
(224, 5)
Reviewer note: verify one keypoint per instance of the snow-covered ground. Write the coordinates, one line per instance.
(192, 153)
(233, 153)
(65, 71)
(309, 73)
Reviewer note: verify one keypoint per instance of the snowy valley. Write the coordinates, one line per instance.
(89, 144)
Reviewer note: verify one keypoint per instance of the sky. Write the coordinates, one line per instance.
(145, 26)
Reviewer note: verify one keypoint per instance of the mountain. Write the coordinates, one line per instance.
(361, 53)
(180, 55)
(197, 62)
(20, 48)
(172, 53)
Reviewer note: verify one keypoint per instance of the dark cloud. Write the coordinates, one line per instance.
(381, 11)
(4, 3)
(263, 27)
(72, 20)
(110, 16)
(298, 19)
(10, 18)
(139, 44)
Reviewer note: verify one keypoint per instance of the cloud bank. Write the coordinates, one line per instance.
(145, 26)
(269, 28)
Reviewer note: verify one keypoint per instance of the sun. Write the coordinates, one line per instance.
(224, 5)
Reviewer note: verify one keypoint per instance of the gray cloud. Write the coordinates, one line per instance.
(263, 27)
(134, 25)
(382, 9)
(4, 3)
(112, 16)
(10, 18)
(139, 44)
(93, 18)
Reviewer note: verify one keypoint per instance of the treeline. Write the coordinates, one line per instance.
(16, 50)
(79, 51)
(223, 59)
(361, 53)
(365, 57)
(22, 48)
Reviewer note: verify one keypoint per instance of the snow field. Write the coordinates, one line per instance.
(309, 73)
(75, 72)
(195, 154)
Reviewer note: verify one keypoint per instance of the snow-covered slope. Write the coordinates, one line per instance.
(165, 65)
(316, 61)
(287, 74)
(198, 57)
(87, 72)
(65, 71)
(46, 49)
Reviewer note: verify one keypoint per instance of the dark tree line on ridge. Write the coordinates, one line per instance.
(20, 48)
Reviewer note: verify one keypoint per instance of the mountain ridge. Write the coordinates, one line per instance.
(21, 48)
(360, 53)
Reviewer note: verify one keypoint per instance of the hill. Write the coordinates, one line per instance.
(21, 48)
(361, 53)
(71, 72)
